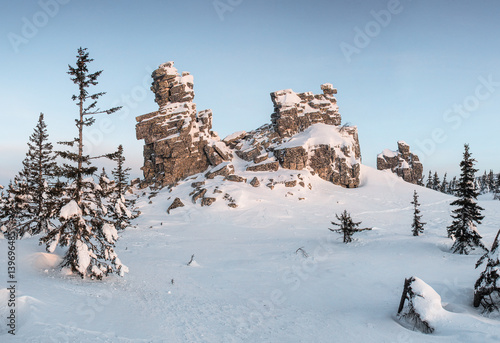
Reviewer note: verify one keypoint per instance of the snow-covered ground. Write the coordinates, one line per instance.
(248, 282)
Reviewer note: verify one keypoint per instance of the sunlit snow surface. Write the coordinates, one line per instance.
(248, 282)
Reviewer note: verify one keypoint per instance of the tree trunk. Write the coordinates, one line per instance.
(403, 296)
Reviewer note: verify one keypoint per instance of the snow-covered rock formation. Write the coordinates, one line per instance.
(401, 162)
(304, 134)
(179, 141)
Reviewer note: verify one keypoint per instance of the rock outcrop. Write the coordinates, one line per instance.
(304, 133)
(401, 162)
(179, 141)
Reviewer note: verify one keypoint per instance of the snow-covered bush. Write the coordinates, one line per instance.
(423, 305)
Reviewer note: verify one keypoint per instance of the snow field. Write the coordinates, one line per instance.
(249, 284)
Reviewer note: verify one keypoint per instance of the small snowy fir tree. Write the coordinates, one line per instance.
(38, 186)
(487, 287)
(124, 209)
(468, 212)
(417, 225)
(85, 226)
(347, 226)
(444, 185)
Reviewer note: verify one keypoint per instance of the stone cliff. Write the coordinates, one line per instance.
(304, 133)
(401, 162)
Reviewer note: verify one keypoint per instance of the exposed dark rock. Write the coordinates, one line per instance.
(221, 170)
(175, 204)
(200, 194)
(255, 182)
(271, 166)
(235, 178)
(207, 201)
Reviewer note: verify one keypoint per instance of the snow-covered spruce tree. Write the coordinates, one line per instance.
(496, 191)
(11, 206)
(483, 186)
(444, 185)
(487, 287)
(124, 209)
(347, 226)
(85, 226)
(417, 226)
(37, 184)
(491, 181)
(468, 213)
(436, 183)
(429, 180)
(453, 186)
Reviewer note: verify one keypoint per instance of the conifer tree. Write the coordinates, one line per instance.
(37, 185)
(417, 225)
(85, 225)
(347, 226)
(123, 208)
(491, 181)
(468, 212)
(496, 192)
(444, 185)
(12, 205)
(429, 180)
(453, 186)
(483, 183)
(487, 286)
(436, 183)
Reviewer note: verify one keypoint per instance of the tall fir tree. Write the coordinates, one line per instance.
(468, 212)
(429, 180)
(85, 226)
(38, 185)
(346, 226)
(487, 286)
(417, 225)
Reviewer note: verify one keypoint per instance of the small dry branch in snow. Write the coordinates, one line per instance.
(191, 260)
(304, 253)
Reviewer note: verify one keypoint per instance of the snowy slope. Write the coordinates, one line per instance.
(248, 284)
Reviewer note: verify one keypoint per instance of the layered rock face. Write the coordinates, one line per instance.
(179, 141)
(304, 133)
(401, 162)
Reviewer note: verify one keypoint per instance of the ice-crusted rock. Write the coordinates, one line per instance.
(401, 162)
(304, 133)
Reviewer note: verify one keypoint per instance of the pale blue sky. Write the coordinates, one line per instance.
(433, 68)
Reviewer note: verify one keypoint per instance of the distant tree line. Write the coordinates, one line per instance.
(487, 183)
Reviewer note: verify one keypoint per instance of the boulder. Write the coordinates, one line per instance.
(401, 162)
